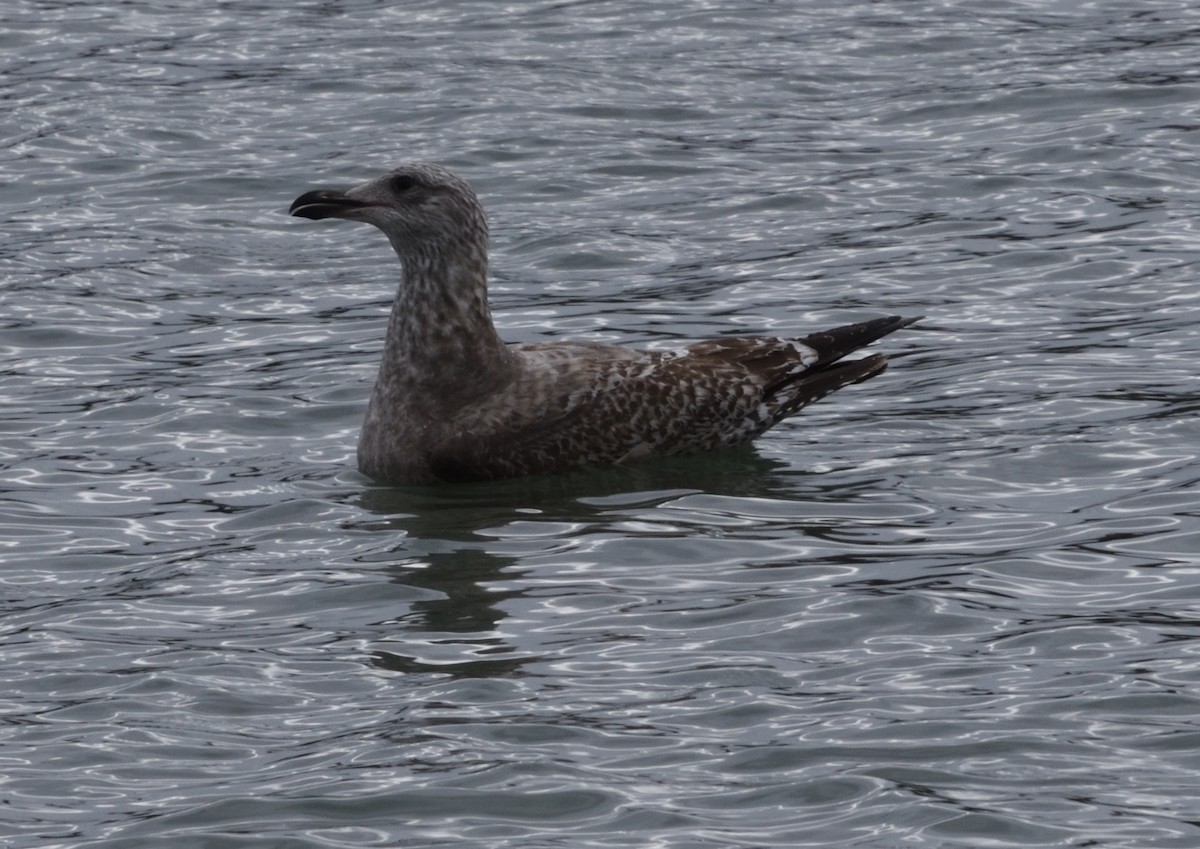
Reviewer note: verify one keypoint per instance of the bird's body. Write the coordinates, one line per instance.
(452, 402)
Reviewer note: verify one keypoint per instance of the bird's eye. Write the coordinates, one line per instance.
(402, 183)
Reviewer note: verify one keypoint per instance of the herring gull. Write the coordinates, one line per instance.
(452, 402)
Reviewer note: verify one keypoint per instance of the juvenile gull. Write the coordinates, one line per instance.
(452, 402)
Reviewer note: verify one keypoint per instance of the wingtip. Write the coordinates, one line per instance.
(833, 344)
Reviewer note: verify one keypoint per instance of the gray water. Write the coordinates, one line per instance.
(953, 607)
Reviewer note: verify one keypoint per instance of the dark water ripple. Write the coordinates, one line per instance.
(953, 608)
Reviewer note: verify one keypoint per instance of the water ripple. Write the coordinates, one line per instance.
(953, 607)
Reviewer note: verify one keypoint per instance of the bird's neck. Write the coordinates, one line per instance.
(441, 343)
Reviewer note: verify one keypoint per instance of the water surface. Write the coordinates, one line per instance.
(952, 607)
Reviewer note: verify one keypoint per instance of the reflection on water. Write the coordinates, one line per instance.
(446, 533)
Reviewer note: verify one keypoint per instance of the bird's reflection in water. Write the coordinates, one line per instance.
(447, 543)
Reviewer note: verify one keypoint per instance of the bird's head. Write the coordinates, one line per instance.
(423, 208)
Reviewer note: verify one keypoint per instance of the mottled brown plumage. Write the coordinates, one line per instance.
(452, 402)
